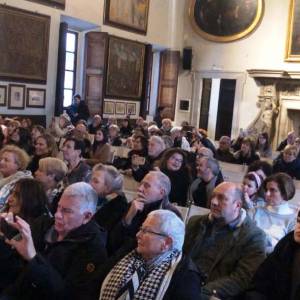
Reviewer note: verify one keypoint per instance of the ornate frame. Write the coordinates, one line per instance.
(121, 22)
(229, 37)
(292, 52)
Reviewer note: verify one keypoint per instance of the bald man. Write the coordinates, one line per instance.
(225, 244)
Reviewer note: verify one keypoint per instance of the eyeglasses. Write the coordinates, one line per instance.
(145, 230)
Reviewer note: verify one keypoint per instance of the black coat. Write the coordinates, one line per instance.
(291, 168)
(67, 269)
(273, 278)
(186, 282)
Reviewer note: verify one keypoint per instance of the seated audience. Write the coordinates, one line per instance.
(140, 168)
(174, 164)
(223, 153)
(277, 218)
(202, 136)
(37, 131)
(78, 110)
(263, 146)
(51, 173)
(113, 135)
(168, 274)
(154, 130)
(251, 187)
(125, 129)
(277, 278)
(288, 163)
(152, 194)
(226, 245)
(11, 125)
(261, 167)
(21, 137)
(26, 123)
(179, 140)
(13, 163)
(100, 150)
(65, 255)
(45, 146)
(78, 170)
(108, 183)
(61, 127)
(237, 143)
(290, 140)
(246, 155)
(166, 126)
(208, 177)
(95, 125)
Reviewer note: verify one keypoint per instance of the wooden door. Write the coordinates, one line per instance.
(95, 68)
(168, 79)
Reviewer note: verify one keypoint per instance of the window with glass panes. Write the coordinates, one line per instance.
(70, 67)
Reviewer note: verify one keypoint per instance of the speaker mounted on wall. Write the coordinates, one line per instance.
(187, 58)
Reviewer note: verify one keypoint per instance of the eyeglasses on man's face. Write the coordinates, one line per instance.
(146, 230)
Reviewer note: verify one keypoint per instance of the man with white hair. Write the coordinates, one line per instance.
(152, 194)
(159, 251)
(65, 255)
(156, 147)
(179, 140)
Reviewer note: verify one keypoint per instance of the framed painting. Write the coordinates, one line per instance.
(120, 108)
(16, 96)
(3, 95)
(131, 109)
(225, 21)
(23, 45)
(36, 98)
(125, 69)
(109, 108)
(54, 3)
(131, 15)
(293, 37)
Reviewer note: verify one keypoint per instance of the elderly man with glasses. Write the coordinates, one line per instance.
(226, 245)
(156, 269)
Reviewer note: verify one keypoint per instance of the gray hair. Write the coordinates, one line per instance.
(212, 164)
(176, 129)
(112, 177)
(171, 225)
(204, 151)
(158, 140)
(86, 193)
(114, 126)
(162, 180)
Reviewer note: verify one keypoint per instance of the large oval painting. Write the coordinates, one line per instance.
(225, 20)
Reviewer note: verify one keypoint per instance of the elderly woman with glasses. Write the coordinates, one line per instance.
(156, 268)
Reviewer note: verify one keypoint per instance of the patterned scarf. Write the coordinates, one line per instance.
(133, 278)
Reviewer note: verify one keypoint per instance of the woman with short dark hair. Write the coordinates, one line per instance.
(246, 155)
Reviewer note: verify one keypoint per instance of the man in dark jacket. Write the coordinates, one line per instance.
(278, 277)
(226, 244)
(223, 153)
(64, 259)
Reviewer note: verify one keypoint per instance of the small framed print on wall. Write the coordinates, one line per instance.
(109, 107)
(3, 93)
(120, 108)
(131, 109)
(36, 98)
(16, 96)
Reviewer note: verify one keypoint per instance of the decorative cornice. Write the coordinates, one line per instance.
(281, 74)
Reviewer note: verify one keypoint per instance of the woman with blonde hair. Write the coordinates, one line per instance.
(13, 163)
(51, 173)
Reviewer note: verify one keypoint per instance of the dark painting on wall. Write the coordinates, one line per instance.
(125, 68)
(24, 42)
(225, 20)
(55, 3)
(293, 37)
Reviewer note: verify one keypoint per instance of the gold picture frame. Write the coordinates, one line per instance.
(292, 53)
(130, 15)
(225, 21)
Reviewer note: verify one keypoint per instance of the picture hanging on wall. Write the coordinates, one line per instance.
(3, 95)
(293, 37)
(54, 3)
(125, 69)
(36, 98)
(131, 109)
(129, 15)
(120, 108)
(16, 96)
(109, 107)
(225, 21)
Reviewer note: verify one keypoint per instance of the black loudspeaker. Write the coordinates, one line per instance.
(187, 58)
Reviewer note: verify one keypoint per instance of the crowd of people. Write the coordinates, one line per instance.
(67, 230)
